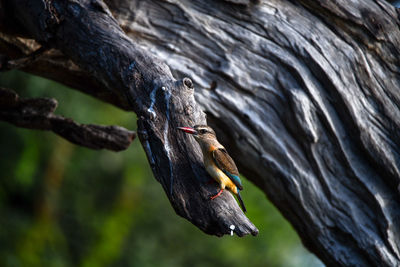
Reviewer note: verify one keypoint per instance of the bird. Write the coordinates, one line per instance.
(217, 161)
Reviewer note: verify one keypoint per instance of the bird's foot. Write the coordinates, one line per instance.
(218, 194)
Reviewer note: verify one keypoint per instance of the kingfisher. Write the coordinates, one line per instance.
(217, 161)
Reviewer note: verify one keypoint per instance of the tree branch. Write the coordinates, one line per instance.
(55, 66)
(305, 96)
(86, 32)
(9, 64)
(38, 114)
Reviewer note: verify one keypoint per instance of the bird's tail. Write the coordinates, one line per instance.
(241, 201)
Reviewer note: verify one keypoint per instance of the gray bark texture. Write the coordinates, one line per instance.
(304, 95)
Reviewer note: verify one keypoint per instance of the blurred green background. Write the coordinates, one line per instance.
(64, 205)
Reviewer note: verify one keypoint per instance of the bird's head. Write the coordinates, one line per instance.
(202, 133)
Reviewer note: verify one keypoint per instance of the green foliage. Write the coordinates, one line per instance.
(64, 205)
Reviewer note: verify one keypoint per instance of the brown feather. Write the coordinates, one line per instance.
(226, 163)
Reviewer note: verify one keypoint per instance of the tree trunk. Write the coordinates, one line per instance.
(304, 95)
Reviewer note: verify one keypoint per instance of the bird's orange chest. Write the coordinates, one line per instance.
(208, 158)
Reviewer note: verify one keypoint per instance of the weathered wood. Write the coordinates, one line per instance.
(308, 92)
(86, 33)
(304, 95)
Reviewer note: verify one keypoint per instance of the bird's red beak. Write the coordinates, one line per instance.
(187, 130)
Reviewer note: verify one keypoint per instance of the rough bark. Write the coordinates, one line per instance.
(86, 33)
(305, 96)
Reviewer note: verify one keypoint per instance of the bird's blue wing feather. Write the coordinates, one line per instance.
(235, 179)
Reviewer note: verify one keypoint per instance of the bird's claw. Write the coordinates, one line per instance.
(217, 195)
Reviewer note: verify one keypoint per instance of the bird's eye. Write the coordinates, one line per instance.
(203, 131)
